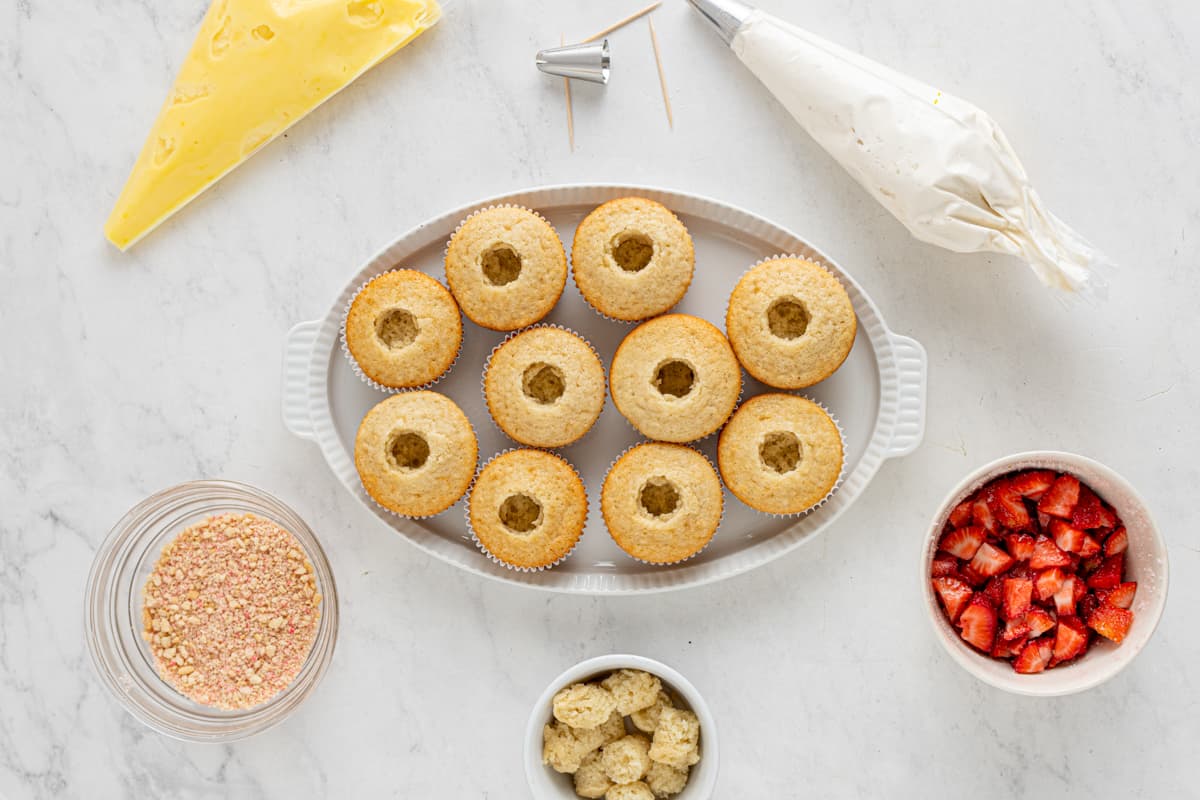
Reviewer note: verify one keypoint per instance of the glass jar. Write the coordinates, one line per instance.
(113, 621)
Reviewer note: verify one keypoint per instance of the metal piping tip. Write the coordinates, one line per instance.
(727, 16)
(587, 62)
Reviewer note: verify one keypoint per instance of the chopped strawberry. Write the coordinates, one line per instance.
(1060, 499)
(1033, 483)
(1047, 554)
(1034, 656)
(943, 565)
(1021, 571)
(1111, 622)
(1020, 546)
(1043, 521)
(972, 577)
(960, 517)
(954, 594)
(1090, 547)
(1018, 597)
(978, 625)
(1067, 538)
(963, 542)
(1087, 606)
(1090, 512)
(1120, 597)
(1005, 648)
(989, 560)
(982, 515)
(1039, 622)
(1049, 582)
(1015, 629)
(1116, 542)
(1110, 573)
(994, 592)
(1071, 640)
(1006, 505)
(1064, 598)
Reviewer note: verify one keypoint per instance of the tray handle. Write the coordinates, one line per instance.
(912, 367)
(297, 352)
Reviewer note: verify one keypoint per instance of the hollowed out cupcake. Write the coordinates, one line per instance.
(506, 267)
(632, 259)
(790, 322)
(675, 378)
(781, 454)
(403, 329)
(662, 503)
(527, 508)
(544, 387)
(416, 453)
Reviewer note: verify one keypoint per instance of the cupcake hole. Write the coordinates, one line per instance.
(396, 328)
(780, 451)
(543, 383)
(501, 265)
(659, 497)
(787, 318)
(633, 251)
(408, 450)
(674, 378)
(520, 513)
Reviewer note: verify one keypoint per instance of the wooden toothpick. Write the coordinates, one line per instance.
(624, 22)
(662, 77)
(570, 111)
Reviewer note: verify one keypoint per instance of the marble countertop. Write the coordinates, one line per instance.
(126, 373)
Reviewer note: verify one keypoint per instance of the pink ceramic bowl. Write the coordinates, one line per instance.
(1145, 562)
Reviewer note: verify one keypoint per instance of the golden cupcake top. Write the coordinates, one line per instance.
(544, 387)
(790, 322)
(780, 454)
(403, 329)
(506, 267)
(632, 258)
(675, 378)
(662, 503)
(528, 508)
(416, 453)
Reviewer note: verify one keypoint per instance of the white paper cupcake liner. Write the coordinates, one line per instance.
(841, 472)
(720, 520)
(354, 365)
(471, 528)
(446, 252)
(466, 492)
(487, 364)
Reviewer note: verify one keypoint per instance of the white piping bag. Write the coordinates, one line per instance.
(939, 164)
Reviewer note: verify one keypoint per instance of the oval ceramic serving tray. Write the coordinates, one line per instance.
(878, 395)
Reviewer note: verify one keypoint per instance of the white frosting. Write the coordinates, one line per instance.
(941, 165)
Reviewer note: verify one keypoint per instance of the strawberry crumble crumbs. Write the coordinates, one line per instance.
(230, 611)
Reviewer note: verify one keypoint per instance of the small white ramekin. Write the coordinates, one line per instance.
(546, 784)
(1145, 562)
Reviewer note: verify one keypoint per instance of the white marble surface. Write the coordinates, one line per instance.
(123, 374)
